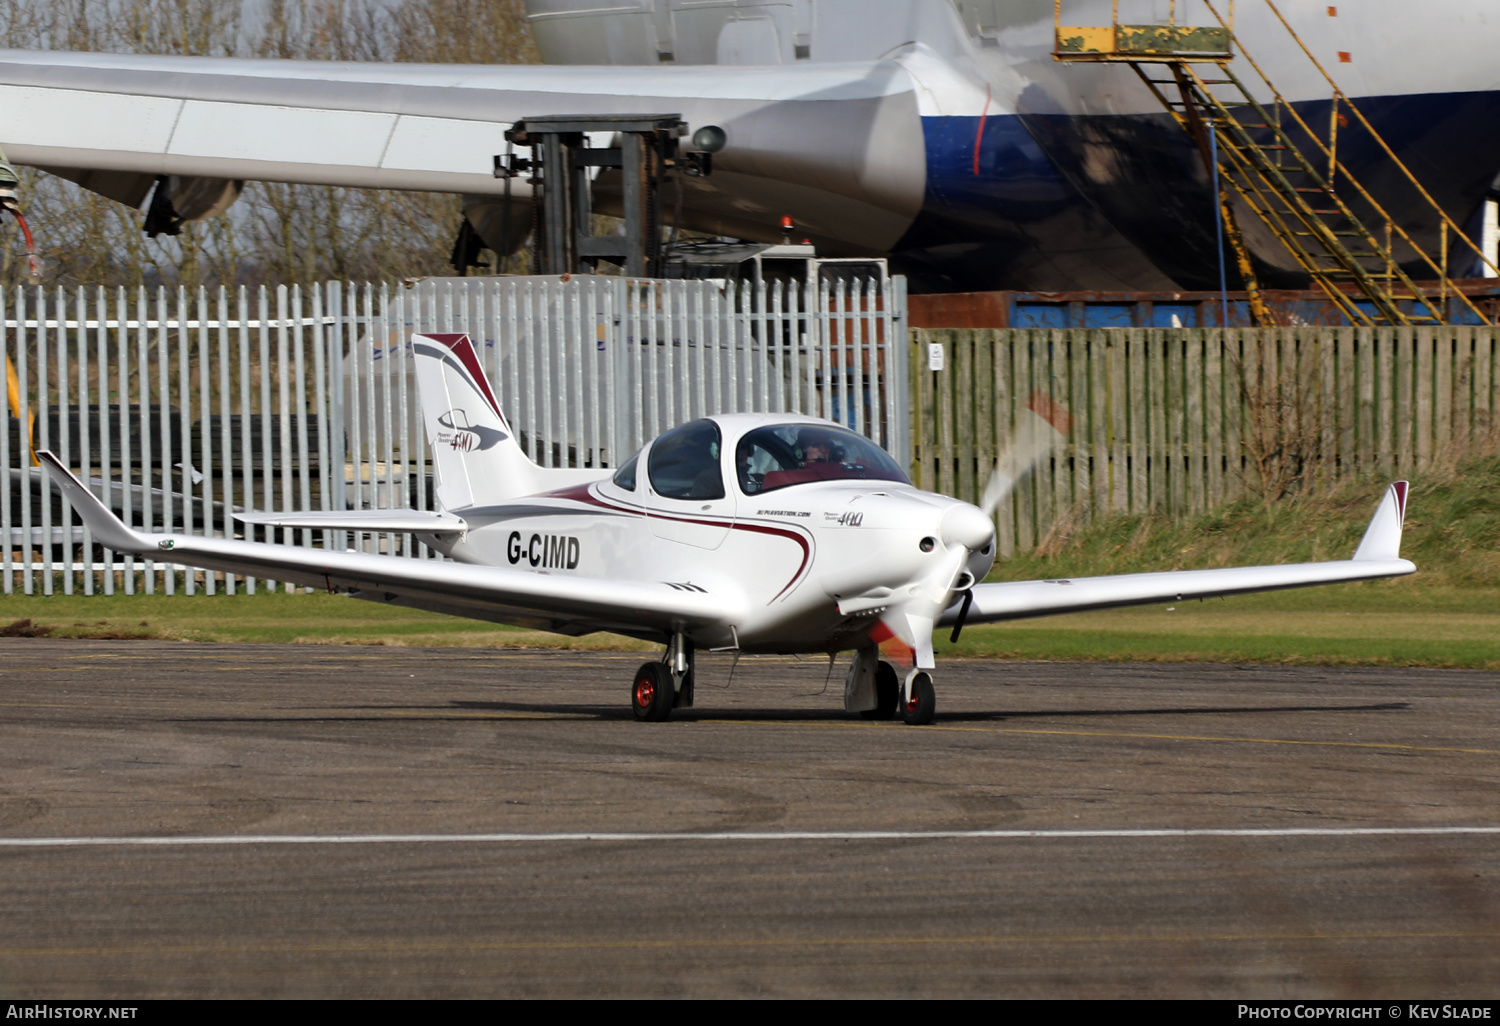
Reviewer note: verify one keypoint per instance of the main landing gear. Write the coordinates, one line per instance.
(874, 689)
(887, 693)
(659, 687)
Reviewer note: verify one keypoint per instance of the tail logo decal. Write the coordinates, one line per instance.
(465, 437)
(460, 357)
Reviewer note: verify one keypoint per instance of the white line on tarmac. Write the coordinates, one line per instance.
(788, 835)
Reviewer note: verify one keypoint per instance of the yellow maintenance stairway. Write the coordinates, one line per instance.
(1283, 170)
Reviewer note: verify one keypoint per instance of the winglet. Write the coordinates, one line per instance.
(101, 520)
(1383, 537)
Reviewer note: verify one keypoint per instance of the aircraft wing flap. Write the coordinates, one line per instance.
(1015, 600)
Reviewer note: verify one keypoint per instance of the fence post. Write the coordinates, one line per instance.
(1484, 386)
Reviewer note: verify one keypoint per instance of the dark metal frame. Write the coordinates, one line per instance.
(562, 194)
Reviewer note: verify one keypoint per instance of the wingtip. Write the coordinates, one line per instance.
(1382, 540)
(107, 528)
(49, 458)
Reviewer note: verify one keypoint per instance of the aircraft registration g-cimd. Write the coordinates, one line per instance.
(749, 532)
(938, 133)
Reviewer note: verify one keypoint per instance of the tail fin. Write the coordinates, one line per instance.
(475, 453)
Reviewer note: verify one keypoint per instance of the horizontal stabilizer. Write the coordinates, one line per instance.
(422, 521)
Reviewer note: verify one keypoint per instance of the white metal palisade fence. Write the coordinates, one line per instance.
(181, 408)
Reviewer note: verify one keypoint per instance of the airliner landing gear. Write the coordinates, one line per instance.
(660, 687)
(920, 700)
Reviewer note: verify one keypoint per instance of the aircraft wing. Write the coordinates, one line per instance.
(566, 604)
(1377, 556)
(847, 135)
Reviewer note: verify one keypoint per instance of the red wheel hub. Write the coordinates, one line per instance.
(645, 691)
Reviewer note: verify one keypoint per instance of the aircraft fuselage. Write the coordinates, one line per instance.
(785, 557)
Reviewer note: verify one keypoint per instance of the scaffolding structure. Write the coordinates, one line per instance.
(1255, 142)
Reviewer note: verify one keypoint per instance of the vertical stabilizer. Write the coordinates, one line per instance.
(474, 451)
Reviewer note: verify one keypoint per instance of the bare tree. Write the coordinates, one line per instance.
(275, 233)
(1285, 415)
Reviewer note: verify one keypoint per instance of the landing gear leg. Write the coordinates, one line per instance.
(682, 671)
(918, 700)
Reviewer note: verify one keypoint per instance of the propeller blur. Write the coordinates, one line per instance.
(757, 533)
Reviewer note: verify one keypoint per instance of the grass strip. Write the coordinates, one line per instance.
(1245, 630)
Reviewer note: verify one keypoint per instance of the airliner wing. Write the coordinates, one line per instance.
(845, 134)
(562, 603)
(1377, 556)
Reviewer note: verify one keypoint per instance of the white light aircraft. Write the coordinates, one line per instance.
(757, 533)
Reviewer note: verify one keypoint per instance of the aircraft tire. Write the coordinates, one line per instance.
(651, 693)
(919, 710)
(887, 693)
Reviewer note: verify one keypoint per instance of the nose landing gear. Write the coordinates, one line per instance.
(919, 700)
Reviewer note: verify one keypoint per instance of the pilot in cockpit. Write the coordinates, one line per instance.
(816, 446)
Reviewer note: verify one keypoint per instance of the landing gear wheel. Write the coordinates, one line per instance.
(651, 696)
(918, 709)
(887, 693)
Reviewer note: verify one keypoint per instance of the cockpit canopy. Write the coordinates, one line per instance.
(782, 455)
(684, 462)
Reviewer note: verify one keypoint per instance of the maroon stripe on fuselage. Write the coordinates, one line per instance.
(577, 493)
(585, 493)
